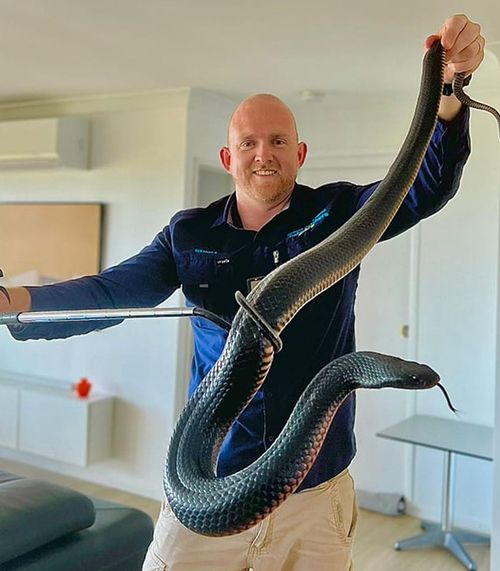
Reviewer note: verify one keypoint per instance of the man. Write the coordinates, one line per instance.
(228, 246)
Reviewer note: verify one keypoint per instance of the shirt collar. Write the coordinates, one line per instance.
(230, 217)
(224, 216)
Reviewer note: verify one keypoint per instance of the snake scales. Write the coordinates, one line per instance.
(221, 506)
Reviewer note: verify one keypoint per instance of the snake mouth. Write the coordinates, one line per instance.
(426, 377)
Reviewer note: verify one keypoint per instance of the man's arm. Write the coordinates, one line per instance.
(143, 280)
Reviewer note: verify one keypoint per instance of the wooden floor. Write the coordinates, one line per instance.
(376, 535)
(373, 547)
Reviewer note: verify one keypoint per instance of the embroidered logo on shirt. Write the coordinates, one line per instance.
(203, 251)
(213, 253)
(314, 222)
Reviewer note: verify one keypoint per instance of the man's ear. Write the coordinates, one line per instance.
(225, 159)
(302, 153)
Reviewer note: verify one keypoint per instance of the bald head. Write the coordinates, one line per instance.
(261, 107)
(263, 153)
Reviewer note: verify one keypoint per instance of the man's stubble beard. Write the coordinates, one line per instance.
(272, 195)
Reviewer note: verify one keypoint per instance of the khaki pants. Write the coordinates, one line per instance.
(312, 530)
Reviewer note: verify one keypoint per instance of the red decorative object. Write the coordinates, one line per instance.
(82, 388)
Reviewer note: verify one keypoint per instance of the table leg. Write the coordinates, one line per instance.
(442, 534)
(447, 493)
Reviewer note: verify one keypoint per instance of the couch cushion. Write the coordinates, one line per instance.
(33, 513)
(118, 541)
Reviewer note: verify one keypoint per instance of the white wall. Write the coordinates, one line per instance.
(208, 117)
(138, 171)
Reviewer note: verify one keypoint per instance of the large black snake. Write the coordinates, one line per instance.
(221, 506)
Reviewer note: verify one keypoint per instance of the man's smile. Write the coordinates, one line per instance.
(265, 172)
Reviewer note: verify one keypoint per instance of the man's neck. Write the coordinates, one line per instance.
(254, 215)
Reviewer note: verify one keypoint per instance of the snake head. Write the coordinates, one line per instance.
(4, 290)
(396, 373)
(389, 371)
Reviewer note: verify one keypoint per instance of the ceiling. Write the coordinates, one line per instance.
(67, 48)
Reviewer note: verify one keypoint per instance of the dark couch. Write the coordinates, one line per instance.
(45, 527)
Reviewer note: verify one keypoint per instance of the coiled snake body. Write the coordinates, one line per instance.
(221, 506)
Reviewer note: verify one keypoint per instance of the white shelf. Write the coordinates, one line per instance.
(47, 419)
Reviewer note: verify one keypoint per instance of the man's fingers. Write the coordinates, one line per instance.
(457, 43)
(470, 52)
(430, 40)
(456, 35)
(463, 44)
(452, 29)
(466, 67)
(468, 60)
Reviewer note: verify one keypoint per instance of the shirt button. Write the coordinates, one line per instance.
(270, 438)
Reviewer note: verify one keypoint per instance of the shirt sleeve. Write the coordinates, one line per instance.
(438, 178)
(143, 280)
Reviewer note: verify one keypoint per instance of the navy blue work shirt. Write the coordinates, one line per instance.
(210, 258)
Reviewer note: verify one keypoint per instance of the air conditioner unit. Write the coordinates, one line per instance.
(44, 143)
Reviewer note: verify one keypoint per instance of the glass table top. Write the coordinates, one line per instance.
(444, 434)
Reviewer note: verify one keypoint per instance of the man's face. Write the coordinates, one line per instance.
(263, 155)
